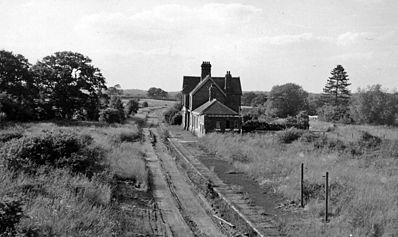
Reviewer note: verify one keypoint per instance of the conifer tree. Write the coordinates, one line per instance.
(335, 91)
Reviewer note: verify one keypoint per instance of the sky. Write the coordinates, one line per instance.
(143, 44)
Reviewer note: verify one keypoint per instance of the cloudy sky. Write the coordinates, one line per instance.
(140, 44)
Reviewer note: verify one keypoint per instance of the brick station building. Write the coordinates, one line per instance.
(211, 104)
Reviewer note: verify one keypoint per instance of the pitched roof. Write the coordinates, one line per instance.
(189, 83)
(214, 107)
(236, 88)
(203, 82)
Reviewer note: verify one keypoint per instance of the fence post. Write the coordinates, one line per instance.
(326, 196)
(302, 185)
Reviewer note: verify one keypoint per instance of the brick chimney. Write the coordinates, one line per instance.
(227, 82)
(206, 70)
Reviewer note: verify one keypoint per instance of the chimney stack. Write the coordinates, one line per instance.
(206, 70)
(227, 82)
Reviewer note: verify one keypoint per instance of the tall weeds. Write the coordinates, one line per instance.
(56, 200)
(363, 175)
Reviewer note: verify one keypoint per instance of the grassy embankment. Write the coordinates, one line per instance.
(60, 180)
(362, 162)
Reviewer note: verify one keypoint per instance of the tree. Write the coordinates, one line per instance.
(375, 106)
(69, 84)
(116, 103)
(132, 106)
(247, 98)
(335, 90)
(115, 90)
(259, 100)
(314, 103)
(157, 93)
(16, 83)
(287, 100)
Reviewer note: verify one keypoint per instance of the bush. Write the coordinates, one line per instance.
(375, 106)
(330, 113)
(59, 149)
(176, 119)
(145, 104)
(172, 116)
(126, 136)
(289, 135)
(110, 115)
(10, 214)
(309, 137)
(131, 107)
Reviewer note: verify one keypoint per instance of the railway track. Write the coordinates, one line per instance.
(184, 213)
(182, 186)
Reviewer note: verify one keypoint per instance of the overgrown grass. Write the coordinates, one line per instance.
(56, 201)
(362, 163)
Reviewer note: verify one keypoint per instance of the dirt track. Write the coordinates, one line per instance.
(185, 213)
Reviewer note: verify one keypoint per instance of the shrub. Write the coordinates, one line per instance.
(375, 106)
(131, 107)
(140, 122)
(10, 214)
(126, 136)
(110, 115)
(59, 149)
(170, 114)
(176, 119)
(289, 135)
(309, 137)
(367, 140)
(145, 104)
(332, 113)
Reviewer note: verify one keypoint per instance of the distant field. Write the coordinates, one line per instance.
(362, 162)
(137, 93)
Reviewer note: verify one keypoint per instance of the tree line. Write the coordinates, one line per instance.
(372, 105)
(64, 85)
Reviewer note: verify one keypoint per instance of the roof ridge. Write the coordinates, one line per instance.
(201, 83)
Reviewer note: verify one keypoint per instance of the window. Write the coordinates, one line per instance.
(218, 126)
(236, 124)
(227, 124)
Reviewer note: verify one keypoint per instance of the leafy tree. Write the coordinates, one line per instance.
(15, 77)
(287, 100)
(115, 90)
(16, 85)
(157, 93)
(332, 113)
(314, 103)
(335, 90)
(260, 99)
(116, 103)
(132, 106)
(247, 98)
(69, 84)
(375, 106)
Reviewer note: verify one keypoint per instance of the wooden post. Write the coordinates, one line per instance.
(302, 185)
(326, 196)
